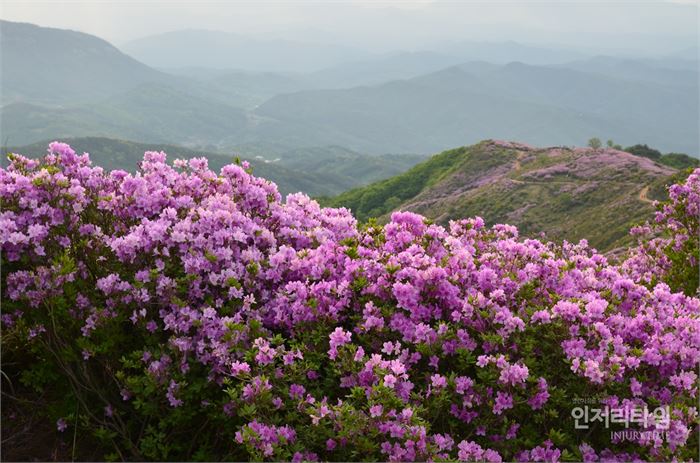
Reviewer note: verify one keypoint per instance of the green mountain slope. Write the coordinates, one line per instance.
(148, 112)
(337, 171)
(57, 66)
(571, 193)
(346, 167)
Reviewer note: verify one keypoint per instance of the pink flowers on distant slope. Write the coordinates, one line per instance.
(205, 306)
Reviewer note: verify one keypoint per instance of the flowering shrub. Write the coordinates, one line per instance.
(182, 314)
(669, 247)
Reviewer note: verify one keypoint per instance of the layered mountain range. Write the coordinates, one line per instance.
(59, 83)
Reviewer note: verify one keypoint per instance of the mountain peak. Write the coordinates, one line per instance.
(76, 66)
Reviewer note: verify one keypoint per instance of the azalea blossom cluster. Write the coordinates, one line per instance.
(272, 329)
(669, 246)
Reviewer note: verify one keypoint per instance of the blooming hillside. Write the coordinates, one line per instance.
(564, 191)
(178, 314)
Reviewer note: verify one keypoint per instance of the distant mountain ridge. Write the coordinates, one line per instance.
(218, 49)
(536, 104)
(55, 66)
(149, 112)
(573, 193)
(682, 72)
(508, 51)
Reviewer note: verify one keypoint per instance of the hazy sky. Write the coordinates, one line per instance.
(622, 25)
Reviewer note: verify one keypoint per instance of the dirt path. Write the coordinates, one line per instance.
(520, 155)
(643, 195)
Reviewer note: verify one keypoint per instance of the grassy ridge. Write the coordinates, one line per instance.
(570, 193)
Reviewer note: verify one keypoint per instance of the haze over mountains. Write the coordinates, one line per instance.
(229, 50)
(279, 96)
(41, 65)
(478, 100)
